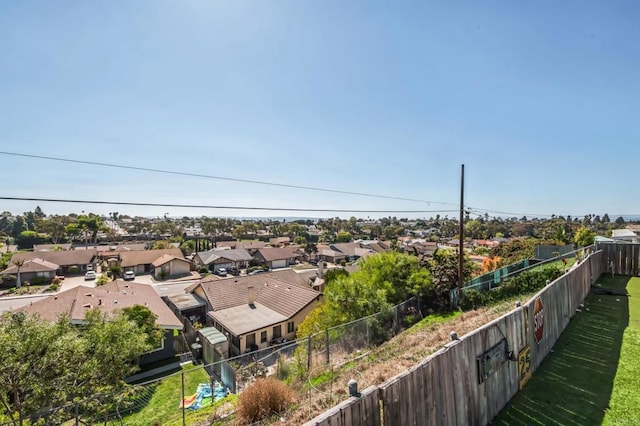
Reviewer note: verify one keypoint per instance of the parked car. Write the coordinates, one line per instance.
(220, 271)
(90, 275)
(257, 271)
(129, 275)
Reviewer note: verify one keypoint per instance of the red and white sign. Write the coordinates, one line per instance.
(538, 320)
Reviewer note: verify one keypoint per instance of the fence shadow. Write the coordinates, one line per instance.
(574, 383)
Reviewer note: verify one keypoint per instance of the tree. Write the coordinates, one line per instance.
(343, 237)
(584, 237)
(19, 264)
(444, 273)
(161, 245)
(49, 364)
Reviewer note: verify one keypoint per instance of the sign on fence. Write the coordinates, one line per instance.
(538, 320)
(490, 361)
(524, 366)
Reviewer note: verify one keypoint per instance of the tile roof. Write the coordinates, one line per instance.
(272, 290)
(62, 258)
(146, 257)
(110, 297)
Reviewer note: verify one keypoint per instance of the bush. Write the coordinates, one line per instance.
(54, 287)
(203, 270)
(56, 281)
(9, 278)
(526, 282)
(38, 280)
(262, 399)
(74, 270)
(102, 280)
(115, 270)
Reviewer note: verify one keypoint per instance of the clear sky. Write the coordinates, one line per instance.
(540, 101)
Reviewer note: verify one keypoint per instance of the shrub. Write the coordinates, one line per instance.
(262, 399)
(74, 270)
(54, 287)
(56, 281)
(203, 270)
(38, 280)
(115, 270)
(9, 278)
(102, 280)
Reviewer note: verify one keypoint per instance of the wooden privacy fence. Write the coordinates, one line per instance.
(470, 380)
(620, 258)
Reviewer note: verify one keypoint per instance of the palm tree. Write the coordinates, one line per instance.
(19, 264)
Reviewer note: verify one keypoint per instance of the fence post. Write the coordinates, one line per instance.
(309, 352)
(184, 422)
(366, 322)
(326, 339)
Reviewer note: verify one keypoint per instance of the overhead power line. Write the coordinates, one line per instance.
(197, 206)
(256, 182)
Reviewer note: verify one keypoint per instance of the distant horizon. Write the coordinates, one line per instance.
(253, 104)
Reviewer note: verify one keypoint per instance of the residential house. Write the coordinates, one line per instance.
(141, 261)
(625, 235)
(169, 265)
(69, 262)
(279, 241)
(278, 257)
(35, 268)
(251, 245)
(339, 252)
(110, 298)
(223, 258)
(256, 311)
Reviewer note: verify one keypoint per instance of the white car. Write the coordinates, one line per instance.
(90, 275)
(129, 275)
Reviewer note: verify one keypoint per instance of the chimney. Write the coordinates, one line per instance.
(251, 295)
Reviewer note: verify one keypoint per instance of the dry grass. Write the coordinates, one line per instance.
(262, 399)
(390, 359)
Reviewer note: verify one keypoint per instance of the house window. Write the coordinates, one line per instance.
(290, 327)
(159, 348)
(277, 331)
(263, 337)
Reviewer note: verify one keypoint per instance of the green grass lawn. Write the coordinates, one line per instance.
(592, 375)
(162, 405)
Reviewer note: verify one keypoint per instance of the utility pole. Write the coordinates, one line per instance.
(461, 234)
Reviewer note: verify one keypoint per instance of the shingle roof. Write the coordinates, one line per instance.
(146, 257)
(109, 298)
(286, 297)
(31, 265)
(245, 318)
(166, 258)
(62, 258)
(234, 255)
(271, 254)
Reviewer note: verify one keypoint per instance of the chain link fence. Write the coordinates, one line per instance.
(305, 358)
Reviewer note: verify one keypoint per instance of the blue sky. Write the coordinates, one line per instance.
(539, 100)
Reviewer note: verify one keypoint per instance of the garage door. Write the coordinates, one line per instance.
(279, 264)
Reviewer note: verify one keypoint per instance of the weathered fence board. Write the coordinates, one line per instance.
(445, 388)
